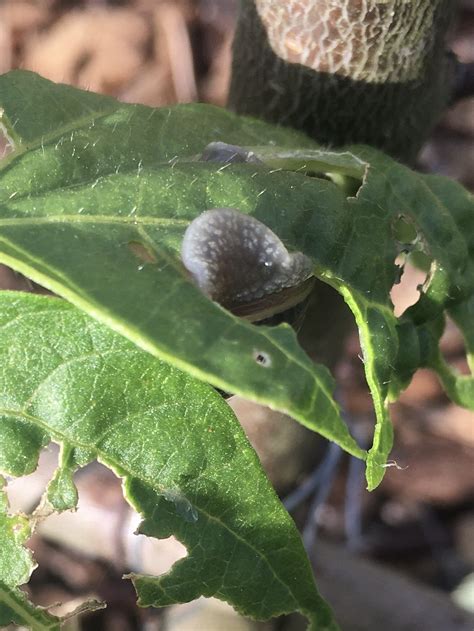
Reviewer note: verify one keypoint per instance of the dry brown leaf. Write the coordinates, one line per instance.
(98, 49)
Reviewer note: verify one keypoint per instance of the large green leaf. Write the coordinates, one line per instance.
(93, 182)
(91, 178)
(186, 464)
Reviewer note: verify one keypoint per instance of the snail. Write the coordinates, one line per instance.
(238, 262)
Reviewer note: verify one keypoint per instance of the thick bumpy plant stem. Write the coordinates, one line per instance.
(345, 71)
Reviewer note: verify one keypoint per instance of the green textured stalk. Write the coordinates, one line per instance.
(343, 71)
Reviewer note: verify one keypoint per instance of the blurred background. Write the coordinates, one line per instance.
(414, 536)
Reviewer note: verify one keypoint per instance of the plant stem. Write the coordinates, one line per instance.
(369, 71)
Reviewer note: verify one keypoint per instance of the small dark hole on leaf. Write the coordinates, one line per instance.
(262, 358)
(142, 252)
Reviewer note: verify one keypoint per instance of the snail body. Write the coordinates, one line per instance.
(240, 263)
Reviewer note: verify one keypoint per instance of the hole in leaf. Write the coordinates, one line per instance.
(413, 263)
(143, 252)
(24, 493)
(148, 555)
(262, 358)
(103, 527)
(406, 292)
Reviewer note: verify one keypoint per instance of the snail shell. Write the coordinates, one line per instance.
(240, 263)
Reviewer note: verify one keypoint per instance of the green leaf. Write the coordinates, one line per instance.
(94, 184)
(86, 185)
(186, 464)
(442, 212)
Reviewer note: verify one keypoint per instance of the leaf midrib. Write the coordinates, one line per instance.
(84, 218)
